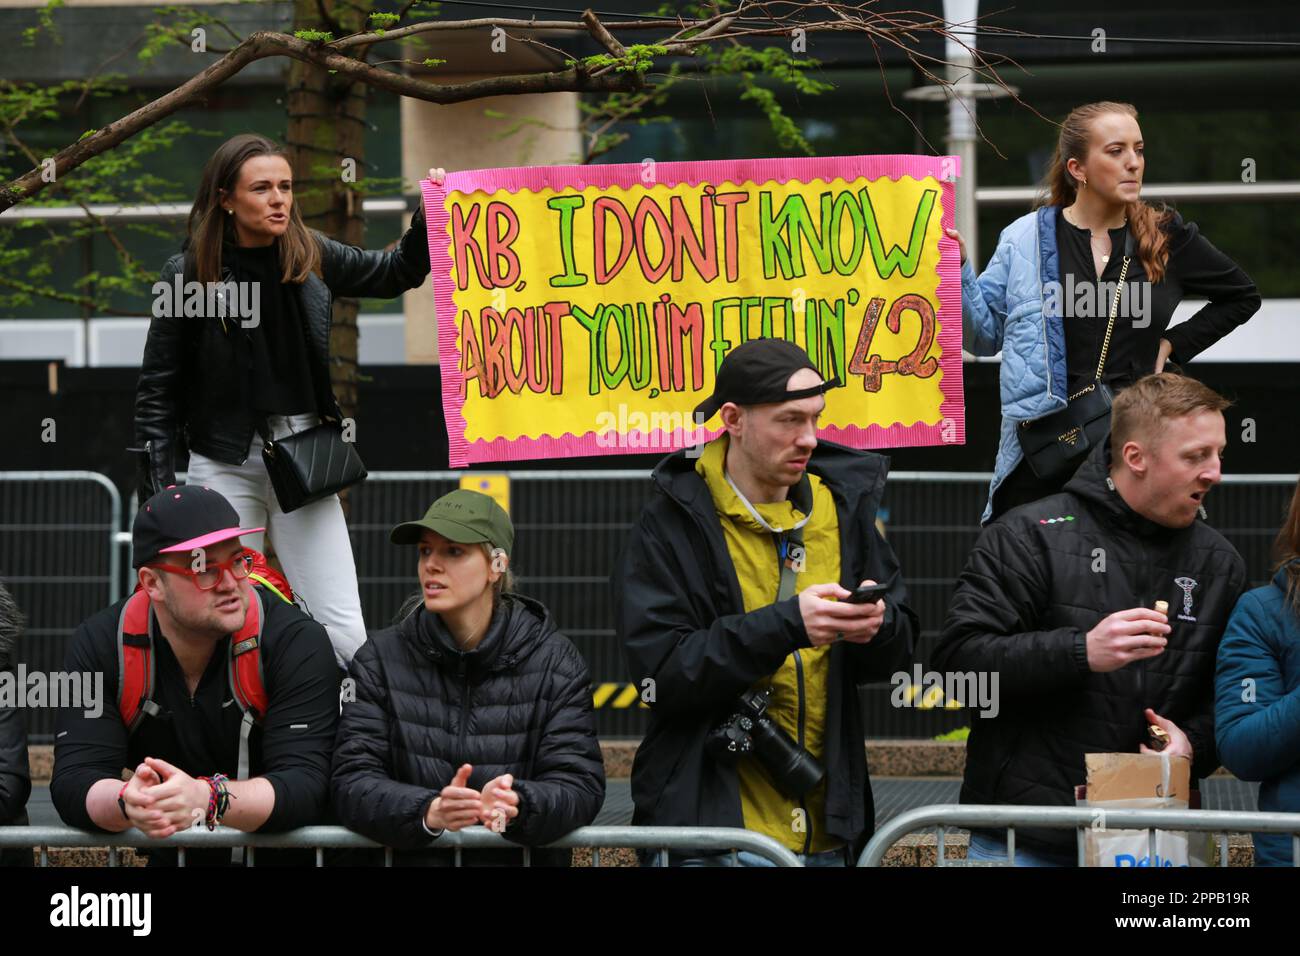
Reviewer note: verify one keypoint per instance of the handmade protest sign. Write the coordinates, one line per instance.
(585, 310)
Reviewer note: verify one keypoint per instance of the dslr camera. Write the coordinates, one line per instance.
(750, 732)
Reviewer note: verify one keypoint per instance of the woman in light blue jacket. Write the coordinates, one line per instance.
(1046, 296)
(1257, 691)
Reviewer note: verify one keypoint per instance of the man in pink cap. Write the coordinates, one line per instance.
(222, 697)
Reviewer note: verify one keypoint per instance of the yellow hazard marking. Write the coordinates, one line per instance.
(619, 696)
(628, 696)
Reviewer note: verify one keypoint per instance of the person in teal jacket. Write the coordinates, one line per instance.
(1257, 691)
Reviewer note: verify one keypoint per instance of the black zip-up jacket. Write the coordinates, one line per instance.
(1041, 577)
(15, 778)
(191, 377)
(419, 707)
(15, 773)
(682, 621)
(200, 734)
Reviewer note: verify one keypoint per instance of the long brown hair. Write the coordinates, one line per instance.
(209, 226)
(1287, 550)
(1060, 188)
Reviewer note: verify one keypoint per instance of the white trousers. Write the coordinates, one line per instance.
(311, 543)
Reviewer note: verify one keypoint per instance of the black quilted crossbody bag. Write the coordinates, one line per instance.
(1055, 444)
(311, 464)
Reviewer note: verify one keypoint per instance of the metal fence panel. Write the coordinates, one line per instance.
(60, 561)
(56, 551)
(665, 839)
(1079, 819)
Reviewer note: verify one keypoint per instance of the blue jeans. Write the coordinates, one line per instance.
(994, 849)
(745, 858)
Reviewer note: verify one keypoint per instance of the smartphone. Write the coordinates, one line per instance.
(870, 594)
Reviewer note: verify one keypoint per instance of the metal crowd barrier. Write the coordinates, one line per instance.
(60, 560)
(1080, 819)
(320, 838)
(571, 526)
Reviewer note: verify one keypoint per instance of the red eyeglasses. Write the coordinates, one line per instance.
(240, 567)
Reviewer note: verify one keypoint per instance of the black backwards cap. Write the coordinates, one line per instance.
(756, 372)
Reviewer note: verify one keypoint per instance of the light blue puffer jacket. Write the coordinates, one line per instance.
(1002, 309)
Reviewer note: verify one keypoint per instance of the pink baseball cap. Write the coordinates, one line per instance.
(182, 518)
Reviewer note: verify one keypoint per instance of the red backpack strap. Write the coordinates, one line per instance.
(269, 578)
(247, 681)
(135, 661)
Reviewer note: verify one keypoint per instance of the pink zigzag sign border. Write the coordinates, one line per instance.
(738, 172)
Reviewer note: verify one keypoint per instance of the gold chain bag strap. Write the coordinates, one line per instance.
(1055, 444)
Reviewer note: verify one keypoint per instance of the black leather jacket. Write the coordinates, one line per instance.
(190, 378)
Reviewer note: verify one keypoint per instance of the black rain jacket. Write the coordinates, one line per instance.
(681, 618)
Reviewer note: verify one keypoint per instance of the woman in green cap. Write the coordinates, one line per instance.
(472, 709)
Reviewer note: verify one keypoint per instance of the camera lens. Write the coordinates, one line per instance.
(793, 769)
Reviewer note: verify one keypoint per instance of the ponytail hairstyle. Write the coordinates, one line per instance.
(209, 224)
(1287, 550)
(504, 584)
(1060, 188)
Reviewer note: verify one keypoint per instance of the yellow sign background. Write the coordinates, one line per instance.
(538, 248)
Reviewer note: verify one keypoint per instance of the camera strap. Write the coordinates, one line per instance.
(790, 555)
(791, 559)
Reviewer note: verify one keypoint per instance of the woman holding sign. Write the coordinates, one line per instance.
(1078, 297)
(237, 359)
(472, 710)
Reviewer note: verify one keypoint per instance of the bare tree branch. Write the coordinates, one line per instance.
(603, 36)
(263, 44)
(749, 19)
(80, 300)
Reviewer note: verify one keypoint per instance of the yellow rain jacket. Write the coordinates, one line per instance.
(798, 700)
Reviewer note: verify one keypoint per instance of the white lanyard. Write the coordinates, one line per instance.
(758, 517)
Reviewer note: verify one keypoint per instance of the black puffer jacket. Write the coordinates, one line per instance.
(1039, 579)
(191, 377)
(683, 624)
(519, 703)
(15, 776)
(15, 780)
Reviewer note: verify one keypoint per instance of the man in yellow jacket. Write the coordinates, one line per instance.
(732, 593)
